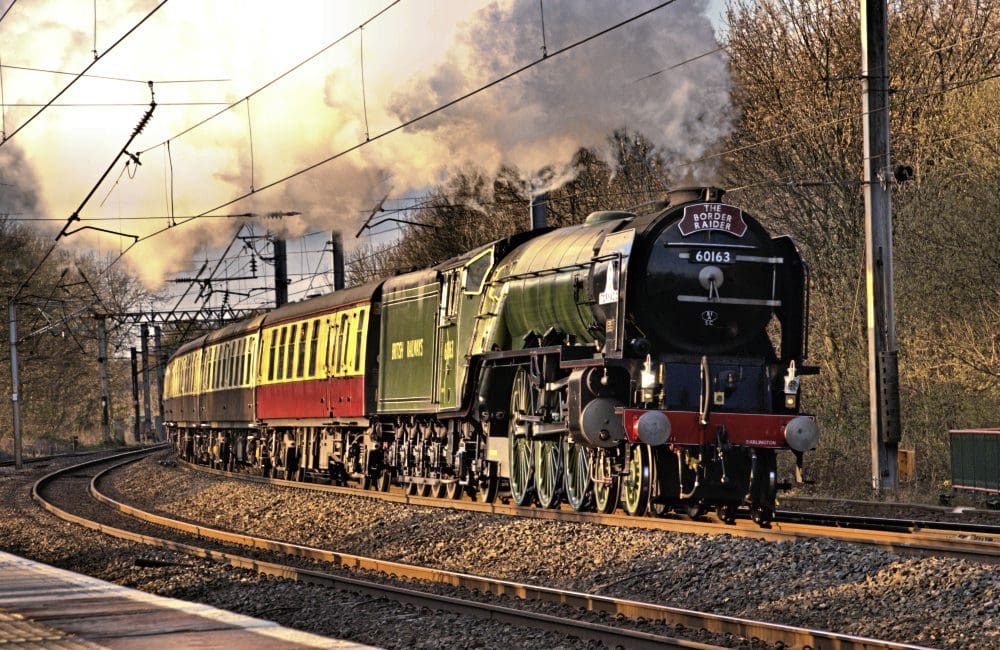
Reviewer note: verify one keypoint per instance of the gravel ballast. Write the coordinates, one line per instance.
(821, 584)
(27, 530)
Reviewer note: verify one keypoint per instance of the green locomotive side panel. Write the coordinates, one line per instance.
(547, 282)
(407, 348)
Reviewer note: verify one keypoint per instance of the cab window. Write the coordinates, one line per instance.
(476, 271)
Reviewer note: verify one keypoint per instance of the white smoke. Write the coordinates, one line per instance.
(540, 118)
(417, 56)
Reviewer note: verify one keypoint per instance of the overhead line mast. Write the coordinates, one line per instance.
(883, 350)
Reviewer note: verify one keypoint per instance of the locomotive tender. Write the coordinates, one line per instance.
(650, 361)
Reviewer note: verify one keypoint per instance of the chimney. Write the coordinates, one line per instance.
(539, 210)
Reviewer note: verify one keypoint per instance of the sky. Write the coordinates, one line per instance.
(204, 55)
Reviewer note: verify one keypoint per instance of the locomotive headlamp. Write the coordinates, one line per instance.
(649, 379)
(791, 387)
(791, 380)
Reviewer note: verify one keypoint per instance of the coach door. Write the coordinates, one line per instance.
(451, 293)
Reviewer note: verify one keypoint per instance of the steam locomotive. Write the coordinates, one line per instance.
(644, 361)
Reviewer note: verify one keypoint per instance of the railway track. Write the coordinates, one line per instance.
(43, 459)
(976, 542)
(737, 628)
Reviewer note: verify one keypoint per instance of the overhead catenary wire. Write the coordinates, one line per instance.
(158, 82)
(78, 76)
(111, 104)
(7, 10)
(428, 201)
(441, 107)
(279, 77)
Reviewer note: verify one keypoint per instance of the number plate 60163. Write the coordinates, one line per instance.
(712, 257)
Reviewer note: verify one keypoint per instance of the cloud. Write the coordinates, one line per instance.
(19, 189)
(416, 57)
(540, 118)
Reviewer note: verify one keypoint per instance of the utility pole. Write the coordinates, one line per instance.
(280, 273)
(161, 367)
(102, 365)
(147, 424)
(883, 362)
(14, 386)
(337, 250)
(135, 394)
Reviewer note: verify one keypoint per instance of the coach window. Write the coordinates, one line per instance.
(237, 372)
(203, 380)
(206, 369)
(231, 375)
(248, 364)
(358, 351)
(213, 356)
(269, 358)
(290, 347)
(333, 348)
(241, 363)
(287, 345)
(282, 348)
(476, 271)
(313, 347)
(217, 366)
(303, 337)
(220, 359)
(220, 377)
(345, 337)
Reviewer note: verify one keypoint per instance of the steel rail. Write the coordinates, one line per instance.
(788, 636)
(979, 546)
(902, 504)
(608, 635)
(43, 459)
(902, 524)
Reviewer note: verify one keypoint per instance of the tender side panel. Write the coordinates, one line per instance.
(407, 377)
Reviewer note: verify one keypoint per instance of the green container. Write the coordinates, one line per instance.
(975, 459)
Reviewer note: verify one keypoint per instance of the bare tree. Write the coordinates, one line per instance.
(795, 158)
